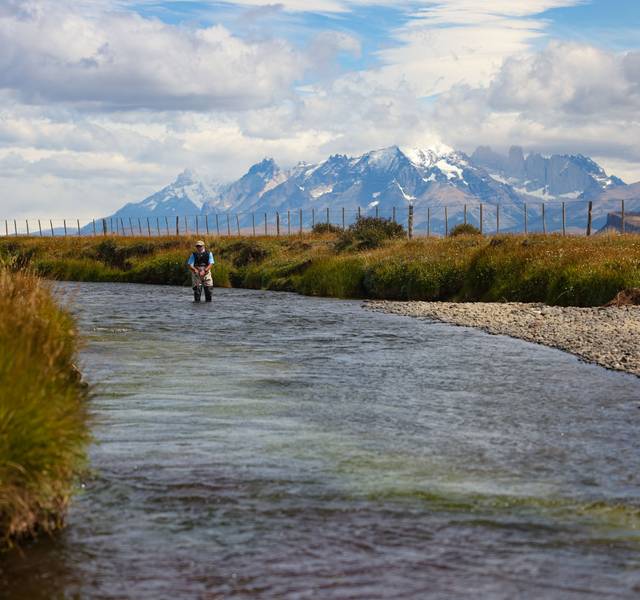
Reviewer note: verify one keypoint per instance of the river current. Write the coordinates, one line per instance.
(274, 446)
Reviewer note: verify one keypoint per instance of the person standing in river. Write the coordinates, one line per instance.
(200, 264)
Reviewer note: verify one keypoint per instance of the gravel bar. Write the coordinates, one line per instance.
(607, 336)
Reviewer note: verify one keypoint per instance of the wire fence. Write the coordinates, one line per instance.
(569, 218)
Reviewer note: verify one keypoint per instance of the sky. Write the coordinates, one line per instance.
(104, 102)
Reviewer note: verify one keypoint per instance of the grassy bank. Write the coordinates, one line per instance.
(553, 269)
(43, 420)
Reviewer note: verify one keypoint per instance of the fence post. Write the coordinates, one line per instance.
(130, 226)
(51, 224)
(15, 227)
(64, 222)
(6, 227)
(622, 223)
(343, 227)
(166, 222)
(148, 227)
(328, 220)
(410, 222)
(359, 213)
(544, 220)
(589, 217)
(253, 223)
(238, 223)
(564, 220)
(217, 225)
(40, 227)
(497, 218)
(228, 226)
(446, 222)
(104, 227)
(481, 220)
(526, 229)
(177, 225)
(313, 218)
(465, 214)
(206, 223)
(377, 212)
(197, 227)
(78, 223)
(428, 221)
(186, 224)
(158, 224)
(266, 230)
(94, 227)
(277, 224)
(393, 212)
(288, 222)
(27, 222)
(139, 226)
(300, 220)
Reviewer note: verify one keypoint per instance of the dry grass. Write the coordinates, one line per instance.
(43, 419)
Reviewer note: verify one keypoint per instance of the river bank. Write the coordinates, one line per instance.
(43, 409)
(607, 336)
(555, 270)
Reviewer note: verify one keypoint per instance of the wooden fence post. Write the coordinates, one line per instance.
(277, 224)
(139, 226)
(206, 223)
(410, 222)
(564, 220)
(94, 227)
(6, 227)
(328, 220)
(148, 227)
(359, 213)
(343, 224)
(177, 225)
(313, 218)
(544, 220)
(130, 226)
(300, 220)
(158, 224)
(104, 227)
(78, 223)
(465, 214)
(197, 227)
(446, 222)
(253, 223)
(589, 217)
(64, 222)
(27, 222)
(497, 218)
(40, 227)
(288, 222)
(166, 222)
(526, 229)
(377, 212)
(186, 225)
(266, 230)
(481, 220)
(217, 225)
(51, 224)
(238, 223)
(393, 213)
(622, 223)
(228, 226)
(428, 221)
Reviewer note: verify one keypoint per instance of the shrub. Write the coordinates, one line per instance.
(368, 233)
(464, 229)
(322, 228)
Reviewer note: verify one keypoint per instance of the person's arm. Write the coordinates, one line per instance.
(190, 264)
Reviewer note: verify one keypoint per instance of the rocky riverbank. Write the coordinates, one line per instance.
(608, 336)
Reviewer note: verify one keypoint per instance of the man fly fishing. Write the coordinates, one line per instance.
(200, 263)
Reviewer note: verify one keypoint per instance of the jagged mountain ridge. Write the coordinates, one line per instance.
(386, 178)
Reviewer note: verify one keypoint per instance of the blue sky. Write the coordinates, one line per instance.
(109, 99)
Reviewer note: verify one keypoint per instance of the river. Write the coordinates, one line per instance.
(274, 446)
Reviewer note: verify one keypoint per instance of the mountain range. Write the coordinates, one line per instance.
(380, 180)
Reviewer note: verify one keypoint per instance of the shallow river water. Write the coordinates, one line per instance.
(275, 446)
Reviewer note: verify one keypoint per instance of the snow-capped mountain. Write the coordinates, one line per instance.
(380, 180)
(185, 196)
(558, 177)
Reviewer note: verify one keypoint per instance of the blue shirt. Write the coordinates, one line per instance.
(191, 260)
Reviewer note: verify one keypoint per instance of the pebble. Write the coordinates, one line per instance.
(608, 336)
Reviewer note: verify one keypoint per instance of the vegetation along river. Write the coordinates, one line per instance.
(276, 446)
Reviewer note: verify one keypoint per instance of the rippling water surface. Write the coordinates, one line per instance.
(275, 446)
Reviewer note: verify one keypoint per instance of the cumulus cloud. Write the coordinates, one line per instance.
(124, 61)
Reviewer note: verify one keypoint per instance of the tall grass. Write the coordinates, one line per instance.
(553, 269)
(43, 415)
